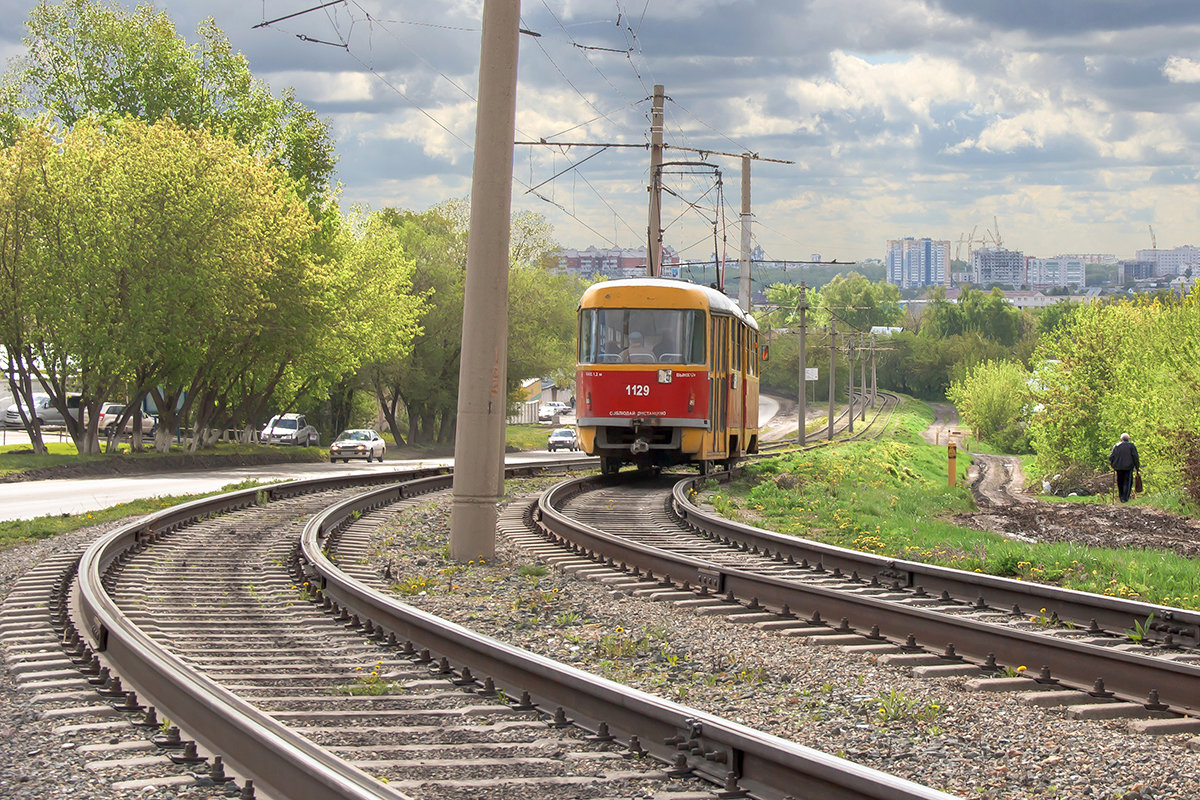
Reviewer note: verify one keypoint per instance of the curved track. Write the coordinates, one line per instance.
(200, 619)
(931, 612)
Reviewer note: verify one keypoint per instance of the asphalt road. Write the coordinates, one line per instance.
(31, 499)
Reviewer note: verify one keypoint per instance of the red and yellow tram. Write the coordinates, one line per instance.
(667, 374)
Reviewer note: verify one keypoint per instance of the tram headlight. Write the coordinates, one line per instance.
(665, 375)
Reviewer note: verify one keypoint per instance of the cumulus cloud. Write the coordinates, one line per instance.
(1182, 70)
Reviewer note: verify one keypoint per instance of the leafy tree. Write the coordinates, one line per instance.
(1128, 366)
(860, 303)
(133, 213)
(21, 201)
(374, 310)
(423, 384)
(994, 400)
(87, 58)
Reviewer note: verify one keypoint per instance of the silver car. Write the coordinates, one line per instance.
(46, 412)
(290, 429)
(357, 443)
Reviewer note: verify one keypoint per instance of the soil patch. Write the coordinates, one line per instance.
(1006, 508)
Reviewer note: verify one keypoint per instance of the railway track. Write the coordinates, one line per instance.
(232, 662)
(948, 621)
(196, 627)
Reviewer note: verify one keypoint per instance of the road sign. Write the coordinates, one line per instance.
(810, 373)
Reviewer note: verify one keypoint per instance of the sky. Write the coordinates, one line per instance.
(1053, 127)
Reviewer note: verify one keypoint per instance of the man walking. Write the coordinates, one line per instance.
(1124, 460)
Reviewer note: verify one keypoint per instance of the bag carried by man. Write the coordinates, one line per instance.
(1137, 481)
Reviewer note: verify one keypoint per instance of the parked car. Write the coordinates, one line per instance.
(562, 439)
(290, 429)
(357, 443)
(546, 411)
(111, 412)
(47, 413)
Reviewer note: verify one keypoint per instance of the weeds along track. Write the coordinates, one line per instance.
(247, 633)
(1125, 659)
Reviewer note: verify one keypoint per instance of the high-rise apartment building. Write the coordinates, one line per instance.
(614, 262)
(996, 266)
(1049, 273)
(1171, 262)
(917, 262)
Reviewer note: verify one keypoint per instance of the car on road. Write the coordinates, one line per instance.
(290, 429)
(563, 439)
(357, 443)
(47, 413)
(546, 411)
(106, 422)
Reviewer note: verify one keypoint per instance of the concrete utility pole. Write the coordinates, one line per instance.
(862, 360)
(479, 443)
(744, 264)
(850, 383)
(654, 227)
(832, 374)
(803, 371)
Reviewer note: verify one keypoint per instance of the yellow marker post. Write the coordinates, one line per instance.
(952, 458)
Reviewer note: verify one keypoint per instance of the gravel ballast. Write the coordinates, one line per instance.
(976, 745)
(933, 732)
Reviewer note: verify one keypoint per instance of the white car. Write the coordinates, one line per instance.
(290, 429)
(357, 443)
(546, 411)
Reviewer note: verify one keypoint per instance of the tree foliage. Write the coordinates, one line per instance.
(1131, 366)
(88, 59)
(994, 400)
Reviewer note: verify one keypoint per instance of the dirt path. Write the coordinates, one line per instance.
(945, 425)
(1006, 508)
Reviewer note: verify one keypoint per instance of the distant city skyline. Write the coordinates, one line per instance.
(1071, 126)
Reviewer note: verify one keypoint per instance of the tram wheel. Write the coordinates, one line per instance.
(609, 466)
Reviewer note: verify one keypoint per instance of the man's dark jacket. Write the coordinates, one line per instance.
(1124, 456)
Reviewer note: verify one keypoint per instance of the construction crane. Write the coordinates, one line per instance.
(994, 234)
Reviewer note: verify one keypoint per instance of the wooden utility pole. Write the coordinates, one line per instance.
(832, 374)
(874, 385)
(862, 360)
(654, 227)
(850, 384)
(803, 372)
(479, 442)
(744, 264)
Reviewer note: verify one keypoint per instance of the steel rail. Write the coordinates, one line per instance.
(1072, 663)
(1109, 613)
(251, 743)
(694, 741)
(280, 762)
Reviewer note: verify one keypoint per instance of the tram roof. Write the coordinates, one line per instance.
(717, 301)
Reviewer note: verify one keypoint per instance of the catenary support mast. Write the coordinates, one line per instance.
(479, 443)
(744, 263)
(654, 225)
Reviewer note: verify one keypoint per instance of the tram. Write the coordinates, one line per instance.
(668, 374)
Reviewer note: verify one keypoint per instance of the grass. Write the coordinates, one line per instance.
(20, 457)
(14, 532)
(891, 497)
(527, 437)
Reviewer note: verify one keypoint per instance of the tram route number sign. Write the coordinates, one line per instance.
(710, 578)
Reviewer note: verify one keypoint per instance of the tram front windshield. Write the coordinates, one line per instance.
(641, 335)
